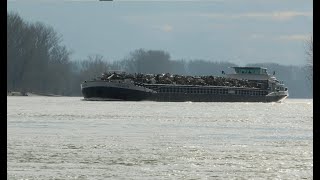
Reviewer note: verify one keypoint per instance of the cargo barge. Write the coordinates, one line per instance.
(246, 84)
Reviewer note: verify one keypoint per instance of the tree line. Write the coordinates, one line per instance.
(37, 61)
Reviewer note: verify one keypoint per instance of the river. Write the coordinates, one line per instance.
(68, 138)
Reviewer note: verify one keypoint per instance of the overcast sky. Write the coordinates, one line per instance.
(237, 31)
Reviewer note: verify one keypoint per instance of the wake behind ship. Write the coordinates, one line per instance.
(247, 84)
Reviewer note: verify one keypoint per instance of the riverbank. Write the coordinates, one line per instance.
(16, 93)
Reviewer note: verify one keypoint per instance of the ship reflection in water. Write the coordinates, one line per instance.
(247, 84)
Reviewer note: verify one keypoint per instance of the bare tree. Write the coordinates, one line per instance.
(204, 67)
(93, 66)
(36, 61)
(148, 61)
(16, 38)
(309, 53)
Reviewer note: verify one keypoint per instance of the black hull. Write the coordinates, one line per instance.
(176, 97)
(113, 93)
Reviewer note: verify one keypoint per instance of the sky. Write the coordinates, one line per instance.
(236, 31)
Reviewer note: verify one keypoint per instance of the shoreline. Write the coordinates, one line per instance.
(16, 93)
